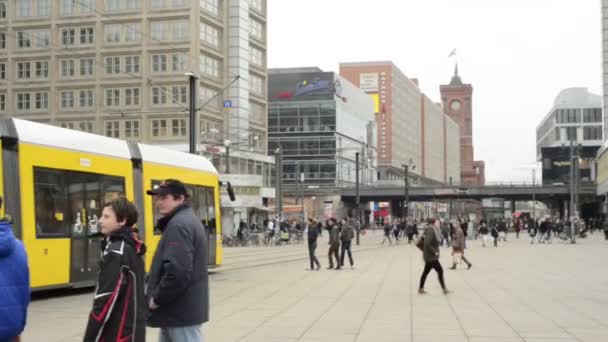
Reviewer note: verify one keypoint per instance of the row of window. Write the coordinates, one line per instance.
(42, 8)
(573, 115)
(132, 129)
(84, 99)
(571, 133)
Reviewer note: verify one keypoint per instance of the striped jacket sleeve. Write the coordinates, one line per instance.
(109, 285)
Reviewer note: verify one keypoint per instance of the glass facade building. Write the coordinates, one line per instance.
(320, 122)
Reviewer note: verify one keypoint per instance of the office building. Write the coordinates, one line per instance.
(117, 68)
(575, 118)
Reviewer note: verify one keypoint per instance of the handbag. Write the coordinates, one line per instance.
(420, 243)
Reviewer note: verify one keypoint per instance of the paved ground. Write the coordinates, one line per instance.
(516, 292)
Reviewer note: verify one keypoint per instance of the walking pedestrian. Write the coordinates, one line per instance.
(605, 226)
(387, 233)
(395, 227)
(484, 232)
(410, 231)
(430, 253)
(346, 236)
(14, 283)
(313, 235)
(178, 286)
(458, 249)
(532, 231)
(445, 233)
(495, 234)
(334, 243)
(119, 306)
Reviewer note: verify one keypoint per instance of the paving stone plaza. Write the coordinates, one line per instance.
(516, 292)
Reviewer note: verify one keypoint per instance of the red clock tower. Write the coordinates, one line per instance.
(457, 99)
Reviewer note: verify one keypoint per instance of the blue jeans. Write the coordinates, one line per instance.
(181, 334)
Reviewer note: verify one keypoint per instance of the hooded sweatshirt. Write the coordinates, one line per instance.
(119, 305)
(14, 283)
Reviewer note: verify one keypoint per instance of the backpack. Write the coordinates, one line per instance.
(347, 233)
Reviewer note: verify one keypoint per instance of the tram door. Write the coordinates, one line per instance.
(202, 201)
(87, 193)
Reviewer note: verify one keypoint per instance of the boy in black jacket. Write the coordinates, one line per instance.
(119, 306)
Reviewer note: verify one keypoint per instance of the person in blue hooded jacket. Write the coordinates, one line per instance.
(14, 283)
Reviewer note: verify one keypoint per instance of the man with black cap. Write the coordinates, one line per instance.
(178, 286)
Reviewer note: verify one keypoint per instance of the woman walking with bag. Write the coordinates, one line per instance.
(430, 252)
(458, 249)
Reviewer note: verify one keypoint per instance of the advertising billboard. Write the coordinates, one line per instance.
(556, 164)
(301, 86)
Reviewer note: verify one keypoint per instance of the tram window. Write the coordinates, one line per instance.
(51, 203)
(68, 203)
(209, 193)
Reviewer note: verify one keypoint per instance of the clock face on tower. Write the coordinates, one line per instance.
(455, 105)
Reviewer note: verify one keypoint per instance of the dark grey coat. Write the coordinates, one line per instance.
(430, 252)
(178, 279)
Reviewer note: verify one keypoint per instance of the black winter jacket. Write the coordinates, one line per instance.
(178, 281)
(119, 306)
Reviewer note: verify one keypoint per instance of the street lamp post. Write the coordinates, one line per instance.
(406, 195)
(534, 194)
(450, 210)
(278, 175)
(227, 146)
(192, 77)
(358, 198)
(572, 195)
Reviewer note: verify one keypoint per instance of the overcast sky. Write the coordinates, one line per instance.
(517, 54)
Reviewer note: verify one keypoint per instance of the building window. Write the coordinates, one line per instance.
(159, 63)
(87, 36)
(178, 127)
(23, 70)
(67, 99)
(41, 100)
(112, 65)
(169, 4)
(210, 35)
(87, 67)
(256, 5)
(2, 71)
(85, 126)
(122, 33)
(87, 98)
(131, 128)
(256, 56)
(122, 5)
(71, 7)
(42, 69)
(132, 64)
(68, 37)
(207, 93)
(2, 40)
(159, 96)
(256, 29)
(592, 115)
(68, 68)
(32, 8)
(256, 84)
(257, 112)
(210, 66)
(179, 62)
(159, 128)
(169, 31)
(3, 9)
(112, 97)
(23, 101)
(38, 39)
(180, 94)
(132, 97)
(2, 102)
(592, 133)
(211, 6)
(113, 129)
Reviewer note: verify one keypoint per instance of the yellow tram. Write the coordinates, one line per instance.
(54, 182)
